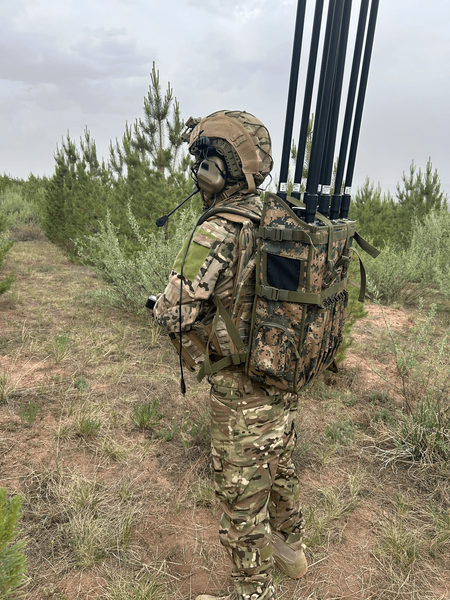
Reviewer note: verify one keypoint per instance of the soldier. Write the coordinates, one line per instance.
(252, 429)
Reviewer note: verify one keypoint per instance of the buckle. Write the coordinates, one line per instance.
(269, 292)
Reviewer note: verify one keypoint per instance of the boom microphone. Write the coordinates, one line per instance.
(163, 220)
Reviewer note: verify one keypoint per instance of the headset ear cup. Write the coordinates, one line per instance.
(212, 175)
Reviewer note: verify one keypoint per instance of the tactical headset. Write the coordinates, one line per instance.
(210, 169)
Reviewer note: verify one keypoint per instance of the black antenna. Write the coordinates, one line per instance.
(328, 159)
(292, 96)
(357, 54)
(301, 147)
(328, 106)
(322, 111)
(345, 205)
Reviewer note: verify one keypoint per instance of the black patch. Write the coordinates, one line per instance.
(283, 273)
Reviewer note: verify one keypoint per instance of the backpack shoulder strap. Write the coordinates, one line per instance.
(208, 367)
(227, 212)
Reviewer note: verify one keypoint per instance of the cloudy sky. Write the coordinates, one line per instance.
(67, 64)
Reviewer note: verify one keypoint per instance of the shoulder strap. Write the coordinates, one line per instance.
(208, 367)
(229, 210)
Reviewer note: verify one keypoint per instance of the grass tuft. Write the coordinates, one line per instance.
(28, 413)
(398, 544)
(86, 426)
(123, 585)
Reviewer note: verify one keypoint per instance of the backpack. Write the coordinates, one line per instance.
(300, 298)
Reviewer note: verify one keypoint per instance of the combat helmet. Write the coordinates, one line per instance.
(231, 146)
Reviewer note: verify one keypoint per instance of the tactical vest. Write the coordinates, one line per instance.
(300, 300)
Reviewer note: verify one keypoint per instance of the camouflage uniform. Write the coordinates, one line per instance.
(252, 430)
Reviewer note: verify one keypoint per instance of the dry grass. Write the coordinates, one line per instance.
(118, 499)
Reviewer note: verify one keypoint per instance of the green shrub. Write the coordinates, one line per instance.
(402, 274)
(355, 311)
(131, 278)
(28, 413)
(87, 426)
(425, 434)
(81, 384)
(430, 245)
(390, 273)
(20, 209)
(13, 562)
(195, 433)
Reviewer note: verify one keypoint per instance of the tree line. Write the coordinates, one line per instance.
(146, 174)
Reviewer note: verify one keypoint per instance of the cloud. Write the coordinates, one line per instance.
(75, 63)
(38, 58)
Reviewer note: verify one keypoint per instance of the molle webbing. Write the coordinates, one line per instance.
(319, 299)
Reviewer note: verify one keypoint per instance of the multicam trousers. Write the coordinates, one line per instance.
(253, 437)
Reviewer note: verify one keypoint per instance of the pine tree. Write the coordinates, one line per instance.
(418, 194)
(57, 191)
(159, 134)
(150, 172)
(375, 214)
(87, 199)
(145, 171)
(13, 562)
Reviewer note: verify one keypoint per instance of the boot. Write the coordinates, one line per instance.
(289, 557)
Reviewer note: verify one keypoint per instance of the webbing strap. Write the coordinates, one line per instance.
(371, 250)
(329, 224)
(231, 327)
(276, 294)
(230, 210)
(212, 339)
(223, 363)
(186, 357)
(208, 368)
(290, 235)
(198, 342)
(276, 234)
(362, 273)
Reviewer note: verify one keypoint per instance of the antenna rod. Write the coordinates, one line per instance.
(357, 54)
(301, 146)
(292, 96)
(345, 205)
(333, 119)
(323, 108)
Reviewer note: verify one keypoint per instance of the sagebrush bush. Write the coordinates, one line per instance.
(19, 209)
(430, 245)
(131, 278)
(424, 263)
(13, 562)
(390, 273)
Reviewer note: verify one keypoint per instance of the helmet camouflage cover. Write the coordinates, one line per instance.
(241, 139)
